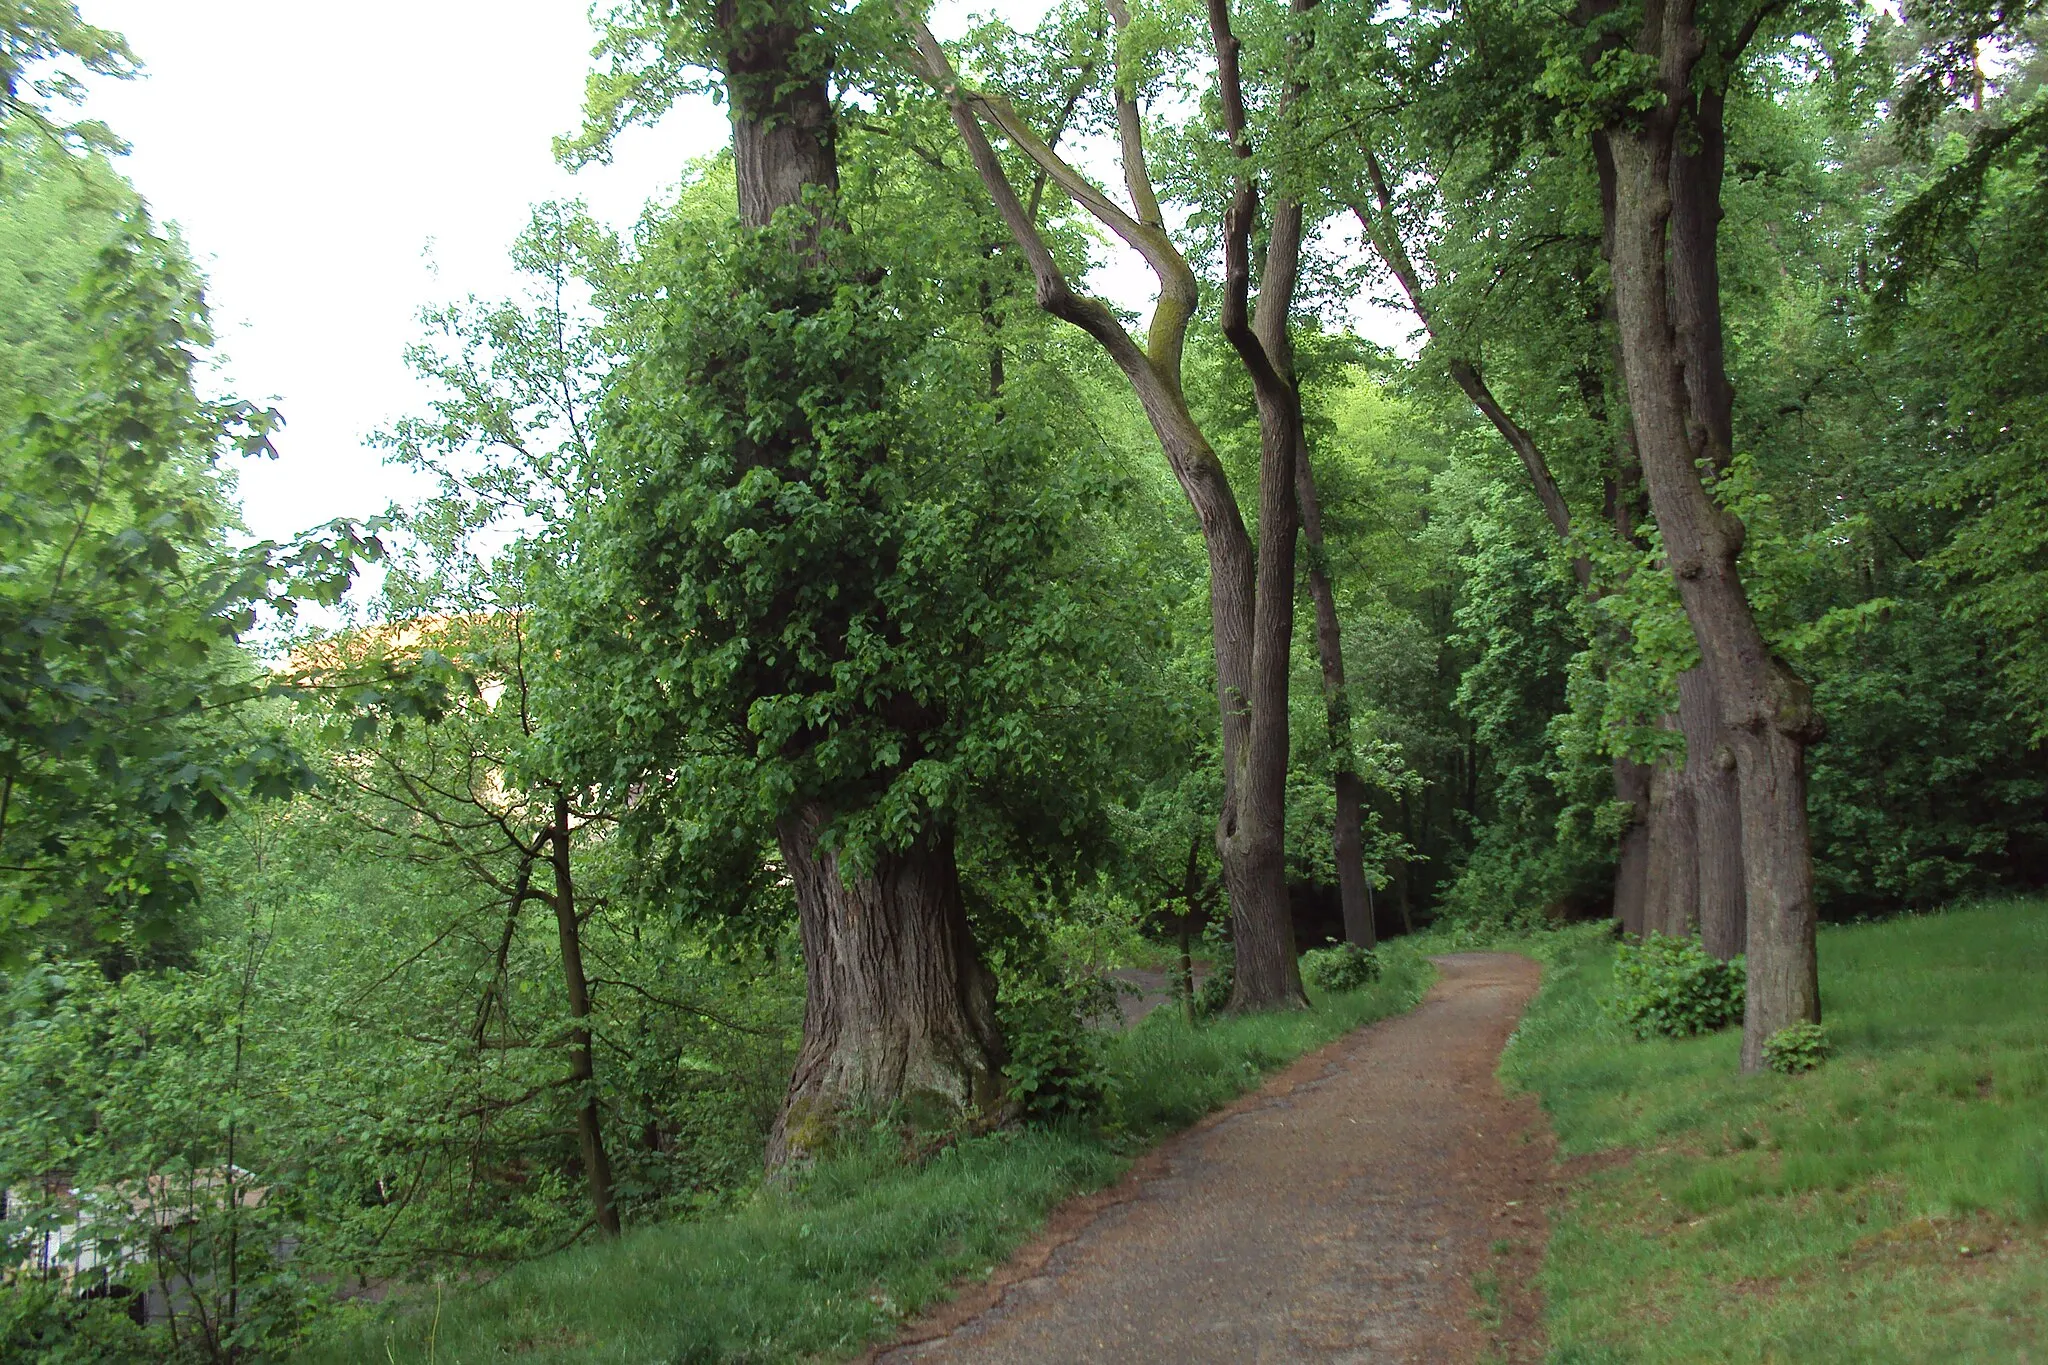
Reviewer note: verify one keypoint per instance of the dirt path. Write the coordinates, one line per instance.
(1378, 1201)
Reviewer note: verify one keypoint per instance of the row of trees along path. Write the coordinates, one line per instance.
(898, 1001)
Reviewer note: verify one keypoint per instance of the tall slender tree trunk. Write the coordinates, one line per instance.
(898, 1009)
(1348, 828)
(1255, 834)
(1767, 708)
(1251, 670)
(597, 1164)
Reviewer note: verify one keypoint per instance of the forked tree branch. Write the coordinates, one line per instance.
(1178, 291)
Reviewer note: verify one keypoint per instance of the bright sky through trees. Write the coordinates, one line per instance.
(337, 168)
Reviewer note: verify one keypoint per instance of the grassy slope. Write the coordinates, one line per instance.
(1892, 1206)
(867, 1241)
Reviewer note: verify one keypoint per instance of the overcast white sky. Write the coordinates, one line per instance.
(336, 168)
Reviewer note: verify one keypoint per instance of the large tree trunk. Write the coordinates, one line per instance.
(1254, 839)
(898, 1011)
(597, 1164)
(1632, 853)
(784, 134)
(1767, 708)
(1698, 164)
(1251, 822)
(1716, 810)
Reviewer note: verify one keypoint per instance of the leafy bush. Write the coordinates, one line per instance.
(1802, 1047)
(1341, 967)
(1214, 994)
(1055, 1064)
(1671, 988)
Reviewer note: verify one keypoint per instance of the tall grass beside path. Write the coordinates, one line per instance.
(1891, 1206)
(825, 1268)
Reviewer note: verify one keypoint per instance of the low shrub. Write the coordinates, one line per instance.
(1672, 988)
(1214, 995)
(1055, 1065)
(1801, 1047)
(1340, 967)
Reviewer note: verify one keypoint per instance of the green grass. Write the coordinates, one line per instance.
(1892, 1206)
(824, 1269)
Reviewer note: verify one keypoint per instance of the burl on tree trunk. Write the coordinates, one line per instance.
(898, 1010)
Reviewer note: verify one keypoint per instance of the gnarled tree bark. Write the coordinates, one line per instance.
(898, 1010)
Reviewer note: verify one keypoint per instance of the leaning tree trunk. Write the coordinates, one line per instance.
(898, 1011)
(1767, 708)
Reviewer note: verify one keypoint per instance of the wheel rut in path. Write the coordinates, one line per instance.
(1380, 1200)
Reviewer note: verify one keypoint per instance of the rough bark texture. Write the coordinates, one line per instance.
(784, 136)
(1254, 840)
(897, 1008)
(1768, 710)
(597, 1165)
(1632, 853)
(1716, 809)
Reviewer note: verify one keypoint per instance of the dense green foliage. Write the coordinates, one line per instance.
(1741, 1214)
(1343, 967)
(340, 964)
(1671, 988)
(829, 1266)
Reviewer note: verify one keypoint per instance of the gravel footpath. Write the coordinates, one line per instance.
(1379, 1201)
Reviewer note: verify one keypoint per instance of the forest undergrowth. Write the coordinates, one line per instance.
(826, 1265)
(1890, 1206)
